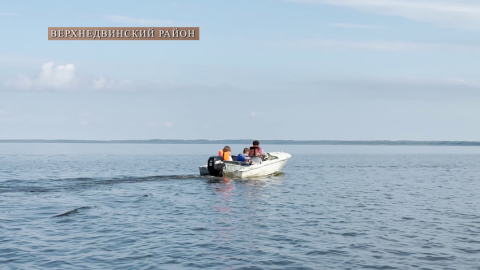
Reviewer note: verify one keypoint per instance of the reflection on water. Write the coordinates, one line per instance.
(224, 187)
(246, 208)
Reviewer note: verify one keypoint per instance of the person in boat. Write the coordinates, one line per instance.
(243, 157)
(226, 153)
(256, 153)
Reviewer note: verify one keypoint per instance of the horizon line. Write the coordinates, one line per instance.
(248, 141)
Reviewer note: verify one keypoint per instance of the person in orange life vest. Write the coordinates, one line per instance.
(226, 153)
(256, 153)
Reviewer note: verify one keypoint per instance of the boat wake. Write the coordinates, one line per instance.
(55, 185)
(74, 211)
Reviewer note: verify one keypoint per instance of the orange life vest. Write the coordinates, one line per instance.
(224, 155)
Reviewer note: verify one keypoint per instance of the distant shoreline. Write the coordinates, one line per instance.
(248, 142)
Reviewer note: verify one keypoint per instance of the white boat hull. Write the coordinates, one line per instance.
(271, 166)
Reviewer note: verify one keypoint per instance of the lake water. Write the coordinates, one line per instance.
(100, 206)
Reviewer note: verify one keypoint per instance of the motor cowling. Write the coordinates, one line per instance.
(215, 166)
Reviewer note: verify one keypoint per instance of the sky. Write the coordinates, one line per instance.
(262, 69)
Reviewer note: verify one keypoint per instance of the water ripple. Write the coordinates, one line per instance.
(325, 212)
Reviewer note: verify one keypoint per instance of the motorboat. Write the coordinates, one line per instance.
(272, 163)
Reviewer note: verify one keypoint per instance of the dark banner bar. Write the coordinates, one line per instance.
(123, 33)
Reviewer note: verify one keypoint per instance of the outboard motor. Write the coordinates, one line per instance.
(215, 166)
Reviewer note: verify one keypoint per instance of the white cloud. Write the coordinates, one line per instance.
(65, 77)
(152, 124)
(254, 114)
(86, 114)
(167, 124)
(393, 84)
(381, 45)
(460, 13)
(130, 20)
(61, 77)
(355, 26)
(84, 123)
(2, 112)
(22, 82)
(102, 82)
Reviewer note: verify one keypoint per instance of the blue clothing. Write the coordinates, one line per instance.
(241, 157)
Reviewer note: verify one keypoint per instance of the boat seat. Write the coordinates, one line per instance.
(257, 160)
(237, 162)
